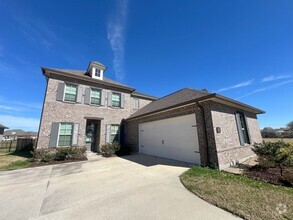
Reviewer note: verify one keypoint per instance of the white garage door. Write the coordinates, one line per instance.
(174, 138)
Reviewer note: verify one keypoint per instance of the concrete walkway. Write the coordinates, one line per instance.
(133, 187)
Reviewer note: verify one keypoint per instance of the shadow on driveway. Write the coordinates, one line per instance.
(147, 160)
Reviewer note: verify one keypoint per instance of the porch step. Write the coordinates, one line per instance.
(93, 156)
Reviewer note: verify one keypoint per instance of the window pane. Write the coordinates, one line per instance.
(97, 72)
(95, 96)
(65, 134)
(135, 103)
(114, 133)
(116, 100)
(70, 93)
(244, 128)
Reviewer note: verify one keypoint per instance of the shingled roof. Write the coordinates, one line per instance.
(176, 98)
(186, 96)
(81, 74)
(2, 126)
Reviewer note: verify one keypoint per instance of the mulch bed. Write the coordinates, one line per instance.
(38, 164)
(271, 175)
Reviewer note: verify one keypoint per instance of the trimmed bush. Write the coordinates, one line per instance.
(44, 154)
(108, 150)
(59, 154)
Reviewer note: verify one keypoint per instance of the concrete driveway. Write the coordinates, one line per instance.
(133, 187)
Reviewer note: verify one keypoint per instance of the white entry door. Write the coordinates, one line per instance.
(174, 138)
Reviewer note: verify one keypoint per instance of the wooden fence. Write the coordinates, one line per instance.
(19, 144)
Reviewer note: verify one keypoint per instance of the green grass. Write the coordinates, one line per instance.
(247, 198)
(17, 165)
(14, 160)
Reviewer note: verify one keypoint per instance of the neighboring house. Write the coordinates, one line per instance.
(2, 128)
(85, 108)
(18, 133)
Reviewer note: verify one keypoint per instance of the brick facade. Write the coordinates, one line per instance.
(222, 147)
(218, 137)
(227, 141)
(58, 111)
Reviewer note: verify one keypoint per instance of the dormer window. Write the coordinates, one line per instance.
(96, 70)
(97, 73)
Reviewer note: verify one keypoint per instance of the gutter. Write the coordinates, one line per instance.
(151, 98)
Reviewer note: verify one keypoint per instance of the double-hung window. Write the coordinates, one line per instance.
(70, 93)
(116, 99)
(114, 133)
(242, 128)
(135, 103)
(65, 134)
(97, 72)
(95, 97)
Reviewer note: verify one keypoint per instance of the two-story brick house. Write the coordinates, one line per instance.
(84, 108)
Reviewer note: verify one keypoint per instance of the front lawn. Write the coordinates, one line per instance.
(245, 197)
(13, 160)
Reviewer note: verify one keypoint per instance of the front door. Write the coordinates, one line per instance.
(91, 136)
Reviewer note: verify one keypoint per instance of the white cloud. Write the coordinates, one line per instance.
(116, 37)
(238, 85)
(19, 106)
(274, 86)
(15, 122)
(9, 108)
(275, 77)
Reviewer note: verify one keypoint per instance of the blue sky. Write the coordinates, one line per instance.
(241, 49)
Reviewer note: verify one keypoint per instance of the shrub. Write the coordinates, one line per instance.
(59, 154)
(108, 150)
(44, 154)
(77, 153)
(272, 154)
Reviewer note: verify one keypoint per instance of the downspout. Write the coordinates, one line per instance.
(205, 133)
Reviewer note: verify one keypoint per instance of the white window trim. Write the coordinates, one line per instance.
(118, 93)
(59, 133)
(133, 103)
(91, 96)
(65, 92)
(118, 132)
